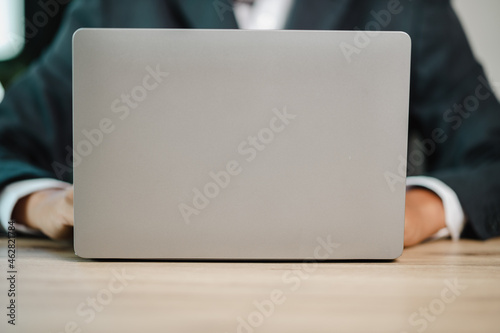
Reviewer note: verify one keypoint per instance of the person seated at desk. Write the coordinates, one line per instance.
(452, 107)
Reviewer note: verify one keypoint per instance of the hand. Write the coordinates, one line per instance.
(50, 211)
(424, 215)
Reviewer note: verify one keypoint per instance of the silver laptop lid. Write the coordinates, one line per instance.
(230, 144)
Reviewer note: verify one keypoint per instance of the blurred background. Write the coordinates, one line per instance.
(480, 19)
(26, 29)
(28, 26)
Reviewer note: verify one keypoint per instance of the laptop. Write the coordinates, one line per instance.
(239, 145)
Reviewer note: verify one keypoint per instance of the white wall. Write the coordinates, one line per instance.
(481, 21)
(11, 28)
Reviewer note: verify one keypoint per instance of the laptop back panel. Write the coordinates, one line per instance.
(224, 144)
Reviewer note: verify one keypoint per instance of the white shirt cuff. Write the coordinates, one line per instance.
(454, 214)
(17, 190)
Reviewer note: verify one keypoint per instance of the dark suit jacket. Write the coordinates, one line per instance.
(448, 89)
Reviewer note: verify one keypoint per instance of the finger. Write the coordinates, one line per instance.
(68, 217)
(65, 232)
(69, 195)
(66, 210)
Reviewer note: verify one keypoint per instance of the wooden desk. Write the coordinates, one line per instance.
(458, 284)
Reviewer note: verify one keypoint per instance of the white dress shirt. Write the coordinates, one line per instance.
(262, 14)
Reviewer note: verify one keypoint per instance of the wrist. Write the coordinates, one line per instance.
(424, 215)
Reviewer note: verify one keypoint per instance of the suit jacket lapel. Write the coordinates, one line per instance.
(208, 14)
(317, 14)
